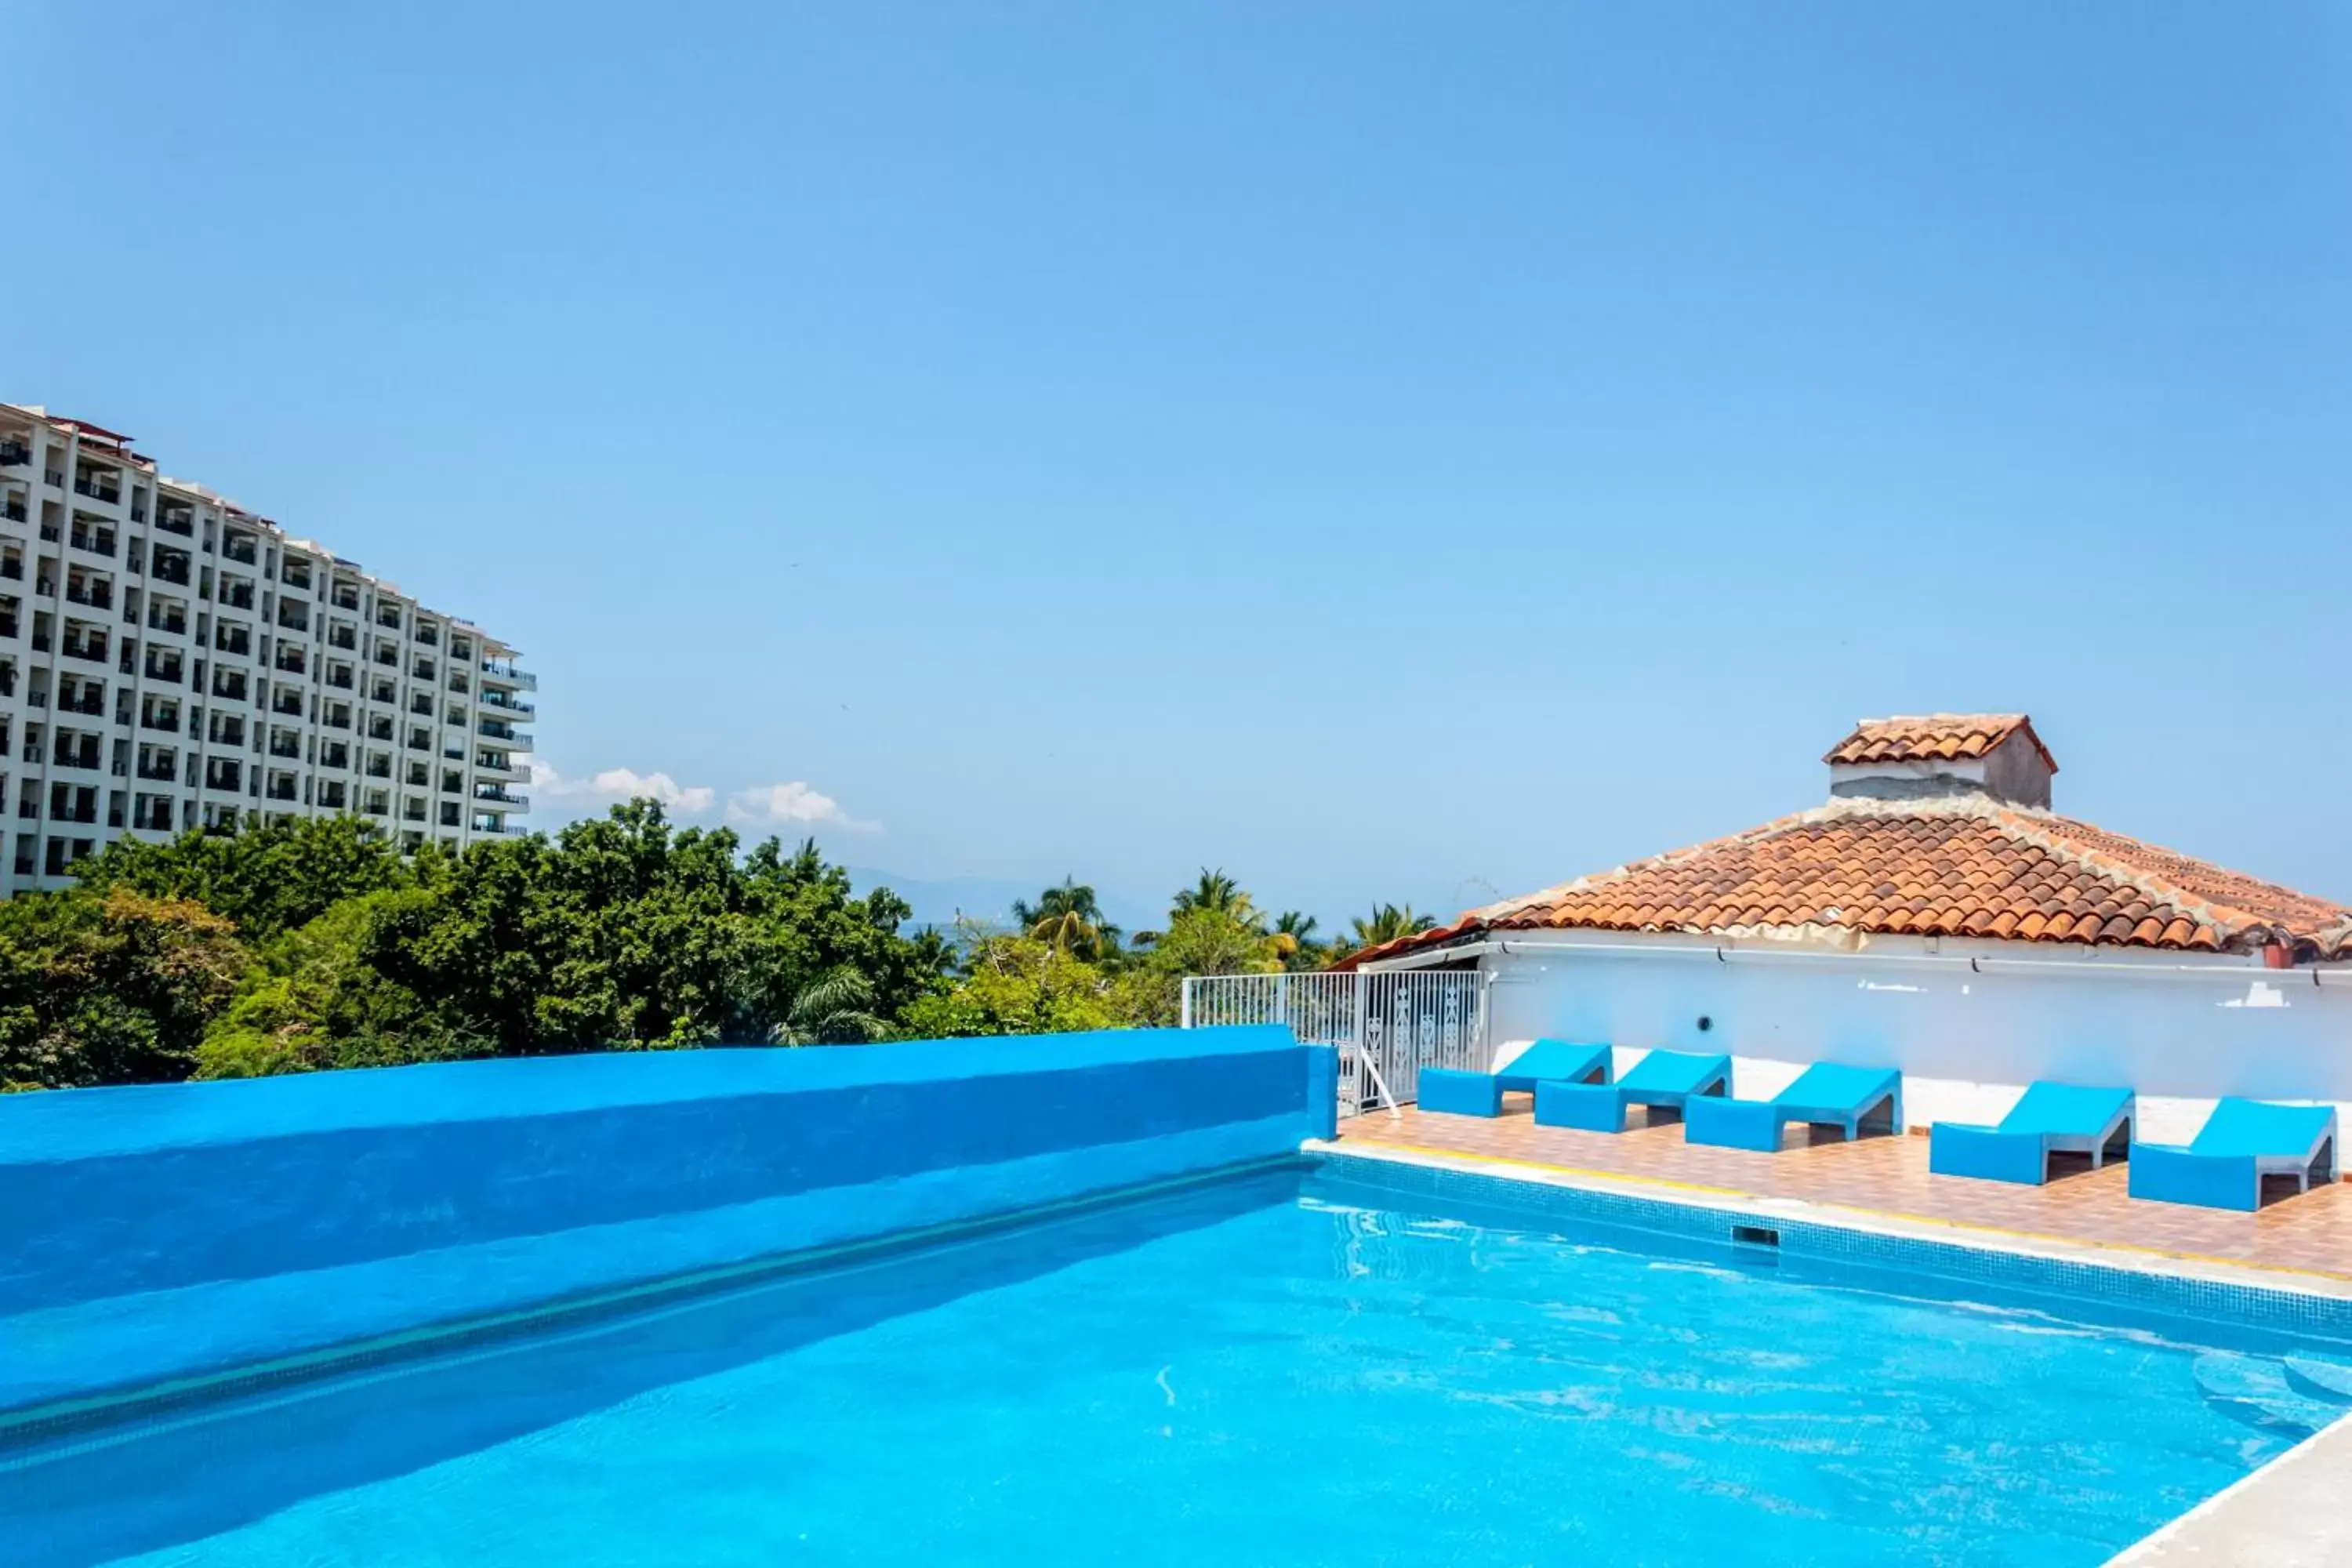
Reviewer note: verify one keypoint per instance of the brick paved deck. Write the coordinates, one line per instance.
(2310, 1233)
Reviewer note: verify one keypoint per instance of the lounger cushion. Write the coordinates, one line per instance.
(2018, 1149)
(1725, 1123)
(2174, 1175)
(1554, 1062)
(1824, 1093)
(2258, 1127)
(2065, 1110)
(2243, 1139)
(1831, 1091)
(1460, 1093)
(1591, 1107)
(1988, 1153)
(1667, 1078)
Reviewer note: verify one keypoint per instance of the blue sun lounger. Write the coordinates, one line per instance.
(2051, 1119)
(1480, 1093)
(1660, 1079)
(1853, 1099)
(2243, 1142)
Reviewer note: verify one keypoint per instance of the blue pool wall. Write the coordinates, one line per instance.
(158, 1232)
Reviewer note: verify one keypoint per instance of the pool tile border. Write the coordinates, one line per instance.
(2315, 1305)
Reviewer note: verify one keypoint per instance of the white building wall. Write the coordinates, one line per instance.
(231, 671)
(2181, 1031)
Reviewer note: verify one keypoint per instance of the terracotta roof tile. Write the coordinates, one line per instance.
(1949, 864)
(1942, 737)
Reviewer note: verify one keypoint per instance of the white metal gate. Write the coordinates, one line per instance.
(1387, 1027)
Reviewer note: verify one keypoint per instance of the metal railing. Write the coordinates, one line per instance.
(500, 669)
(1386, 1027)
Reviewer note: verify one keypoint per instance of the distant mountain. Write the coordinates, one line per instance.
(937, 902)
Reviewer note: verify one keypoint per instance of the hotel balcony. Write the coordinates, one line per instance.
(512, 739)
(496, 703)
(499, 671)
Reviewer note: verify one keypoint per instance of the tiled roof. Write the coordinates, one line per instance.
(1958, 866)
(1934, 737)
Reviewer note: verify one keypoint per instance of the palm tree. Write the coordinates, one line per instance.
(1216, 891)
(1068, 920)
(831, 1010)
(1388, 922)
(1294, 940)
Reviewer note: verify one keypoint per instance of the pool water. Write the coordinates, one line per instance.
(1275, 1369)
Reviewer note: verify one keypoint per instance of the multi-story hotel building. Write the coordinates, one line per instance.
(169, 660)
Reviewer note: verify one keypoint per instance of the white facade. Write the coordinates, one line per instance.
(1968, 1022)
(169, 660)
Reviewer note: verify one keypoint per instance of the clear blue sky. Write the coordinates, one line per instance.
(1386, 450)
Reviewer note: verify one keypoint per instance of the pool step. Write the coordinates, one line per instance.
(2315, 1378)
(2257, 1391)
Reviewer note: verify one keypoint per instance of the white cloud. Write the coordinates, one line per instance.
(793, 804)
(616, 784)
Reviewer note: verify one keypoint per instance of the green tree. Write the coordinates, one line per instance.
(264, 878)
(314, 1002)
(1295, 942)
(309, 944)
(1069, 919)
(1387, 922)
(109, 987)
(625, 932)
(618, 932)
(1214, 892)
(1202, 941)
(831, 1011)
(804, 921)
(1013, 985)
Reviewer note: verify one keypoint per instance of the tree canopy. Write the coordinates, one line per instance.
(314, 943)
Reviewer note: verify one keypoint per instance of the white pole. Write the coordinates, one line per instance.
(1356, 1036)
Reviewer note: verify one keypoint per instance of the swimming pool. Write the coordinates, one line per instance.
(1293, 1365)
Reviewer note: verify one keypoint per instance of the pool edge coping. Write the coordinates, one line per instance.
(2182, 1539)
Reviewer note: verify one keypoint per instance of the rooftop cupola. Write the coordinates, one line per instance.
(1992, 755)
